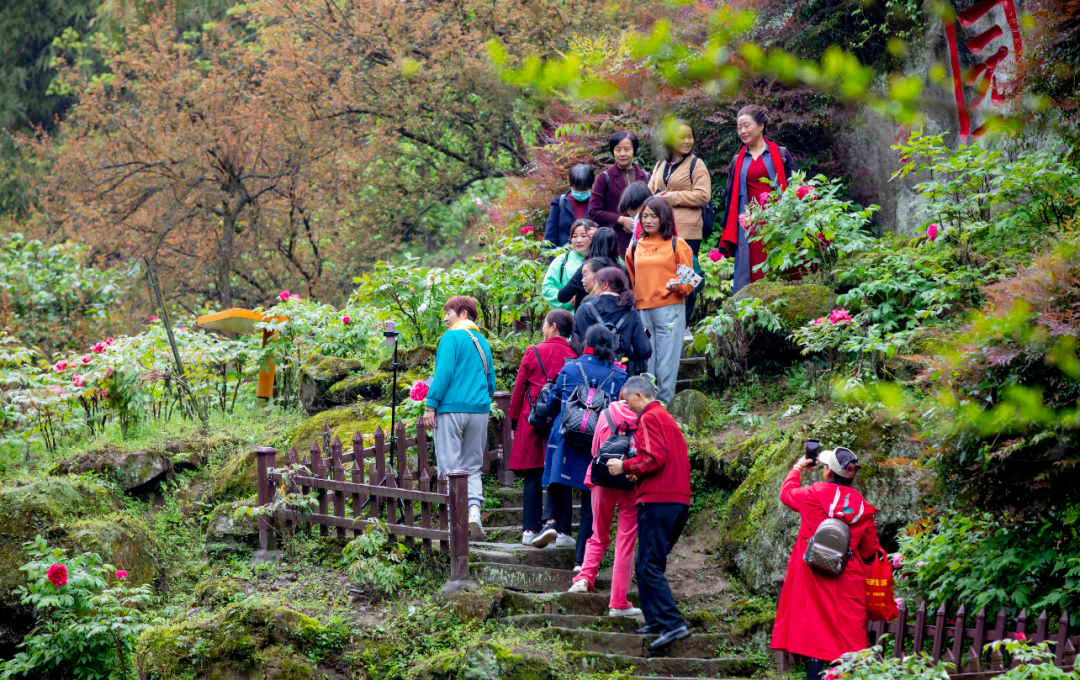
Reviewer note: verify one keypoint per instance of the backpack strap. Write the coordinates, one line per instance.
(583, 376)
(607, 377)
(562, 267)
(483, 357)
(610, 422)
(619, 323)
(674, 244)
(541, 362)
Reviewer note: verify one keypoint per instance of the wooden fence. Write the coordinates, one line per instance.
(360, 493)
(964, 650)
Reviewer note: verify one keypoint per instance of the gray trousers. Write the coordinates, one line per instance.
(666, 325)
(460, 442)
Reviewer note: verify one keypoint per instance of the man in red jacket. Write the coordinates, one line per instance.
(662, 470)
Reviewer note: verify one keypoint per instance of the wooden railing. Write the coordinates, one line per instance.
(360, 493)
(951, 642)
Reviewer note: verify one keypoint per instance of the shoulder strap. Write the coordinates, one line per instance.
(483, 357)
(693, 162)
(674, 244)
(607, 180)
(541, 362)
(583, 376)
(562, 201)
(610, 422)
(562, 267)
(619, 323)
(607, 377)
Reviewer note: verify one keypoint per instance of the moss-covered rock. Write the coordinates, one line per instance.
(369, 386)
(474, 604)
(137, 472)
(122, 541)
(229, 531)
(485, 661)
(255, 638)
(192, 454)
(757, 532)
(411, 357)
(344, 421)
(219, 592)
(804, 303)
(691, 408)
(317, 375)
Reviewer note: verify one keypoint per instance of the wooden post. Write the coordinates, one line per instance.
(373, 480)
(422, 460)
(291, 458)
(955, 653)
(357, 474)
(264, 460)
(319, 470)
(459, 525)
(339, 475)
(901, 631)
(1041, 627)
(380, 467)
(391, 503)
(939, 634)
(975, 655)
(920, 629)
(444, 511)
(401, 450)
(1062, 638)
(425, 507)
(997, 659)
(506, 475)
(407, 512)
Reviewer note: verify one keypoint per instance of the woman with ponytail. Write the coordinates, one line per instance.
(758, 160)
(614, 308)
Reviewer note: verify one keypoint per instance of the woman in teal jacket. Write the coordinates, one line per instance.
(563, 267)
(459, 400)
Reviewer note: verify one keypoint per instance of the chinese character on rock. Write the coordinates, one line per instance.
(978, 89)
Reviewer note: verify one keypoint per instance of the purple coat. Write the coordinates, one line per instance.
(604, 202)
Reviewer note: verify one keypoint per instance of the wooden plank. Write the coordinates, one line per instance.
(979, 640)
(391, 507)
(1041, 626)
(396, 529)
(444, 510)
(1021, 629)
(920, 628)
(407, 512)
(939, 634)
(422, 460)
(1062, 638)
(401, 451)
(318, 470)
(383, 491)
(339, 474)
(357, 497)
(957, 650)
(901, 631)
(425, 507)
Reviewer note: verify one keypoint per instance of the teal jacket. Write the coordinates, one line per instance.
(460, 384)
(558, 275)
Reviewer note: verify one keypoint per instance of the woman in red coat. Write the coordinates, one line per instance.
(822, 616)
(541, 363)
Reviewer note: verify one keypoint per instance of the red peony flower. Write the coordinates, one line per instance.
(98, 348)
(61, 366)
(284, 295)
(525, 231)
(840, 316)
(346, 319)
(419, 391)
(121, 574)
(715, 255)
(1020, 637)
(932, 232)
(78, 381)
(57, 575)
(154, 319)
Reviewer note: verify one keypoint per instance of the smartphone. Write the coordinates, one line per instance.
(812, 449)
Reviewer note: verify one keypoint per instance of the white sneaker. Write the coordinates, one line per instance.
(476, 529)
(577, 568)
(527, 537)
(630, 612)
(565, 541)
(580, 586)
(546, 536)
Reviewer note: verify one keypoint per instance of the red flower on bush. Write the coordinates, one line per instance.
(284, 295)
(525, 231)
(86, 359)
(98, 349)
(110, 342)
(154, 319)
(419, 391)
(121, 574)
(715, 255)
(804, 191)
(346, 319)
(57, 575)
(840, 316)
(78, 381)
(931, 232)
(1020, 637)
(61, 366)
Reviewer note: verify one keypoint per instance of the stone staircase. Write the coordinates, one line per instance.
(538, 580)
(690, 368)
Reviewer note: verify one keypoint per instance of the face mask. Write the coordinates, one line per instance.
(580, 196)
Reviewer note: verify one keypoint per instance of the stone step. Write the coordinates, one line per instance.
(605, 623)
(681, 385)
(691, 368)
(515, 553)
(621, 642)
(511, 516)
(509, 534)
(508, 495)
(574, 604)
(530, 579)
(668, 667)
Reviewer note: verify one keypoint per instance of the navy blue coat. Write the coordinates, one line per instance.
(634, 343)
(565, 463)
(560, 219)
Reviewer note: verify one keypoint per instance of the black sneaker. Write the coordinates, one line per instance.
(546, 536)
(668, 638)
(648, 629)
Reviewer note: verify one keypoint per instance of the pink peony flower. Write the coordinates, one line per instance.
(820, 320)
(57, 575)
(1020, 637)
(419, 391)
(525, 231)
(839, 316)
(802, 191)
(897, 560)
(121, 574)
(899, 602)
(346, 319)
(110, 342)
(284, 295)
(931, 232)
(182, 328)
(154, 319)
(295, 297)
(77, 380)
(86, 359)
(744, 220)
(920, 565)
(715, 255)
(61, 366)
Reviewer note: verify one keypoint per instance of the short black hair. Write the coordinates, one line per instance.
(640, 384)
(601, 340)
(621, 135)
(633, 197)
(582, 177)
(604, 244)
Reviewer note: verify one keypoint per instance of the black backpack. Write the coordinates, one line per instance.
(615, 328)
(540, 416)
(619, 446)
(582, 410)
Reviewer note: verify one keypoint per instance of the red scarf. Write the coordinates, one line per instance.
(730, 236)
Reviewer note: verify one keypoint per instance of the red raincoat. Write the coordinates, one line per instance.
(528, 450)
(820, 616)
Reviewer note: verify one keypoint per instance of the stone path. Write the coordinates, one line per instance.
(539, 579)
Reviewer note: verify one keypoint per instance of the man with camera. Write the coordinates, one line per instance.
(822, 609)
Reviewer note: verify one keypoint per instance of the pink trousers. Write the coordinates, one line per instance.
(604, 502)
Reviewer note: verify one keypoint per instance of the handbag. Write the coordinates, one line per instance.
(880, 603)
(619, 446)
(540, 416)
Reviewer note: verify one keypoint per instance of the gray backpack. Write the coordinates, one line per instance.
(829, 548)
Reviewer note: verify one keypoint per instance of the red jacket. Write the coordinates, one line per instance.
(528, 450)
(662, 464)
(818, 615)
